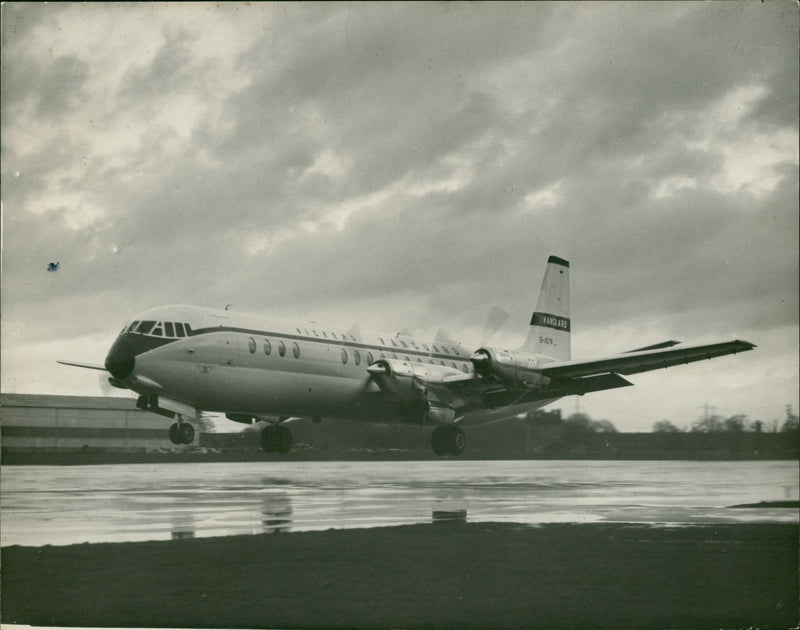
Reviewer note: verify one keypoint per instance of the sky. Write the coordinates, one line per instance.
(410, 165)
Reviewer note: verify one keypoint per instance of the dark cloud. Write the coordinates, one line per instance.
(403, 162)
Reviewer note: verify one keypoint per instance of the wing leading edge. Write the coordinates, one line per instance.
(642, 361)
(572, 377)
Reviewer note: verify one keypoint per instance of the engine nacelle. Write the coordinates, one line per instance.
(518, 367)
(404, 377)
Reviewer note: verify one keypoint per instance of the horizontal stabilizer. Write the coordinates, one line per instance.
(87, 366)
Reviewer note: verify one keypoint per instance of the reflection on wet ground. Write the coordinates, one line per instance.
(65, 505)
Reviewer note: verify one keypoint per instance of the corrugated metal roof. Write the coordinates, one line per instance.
(71, 402)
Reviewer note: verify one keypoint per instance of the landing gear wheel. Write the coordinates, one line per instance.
(175, 434)
(439, 441)
(276, 439)
(269, 439)
(285, 439)
(186, 433)
(446, 440)
(456, 441)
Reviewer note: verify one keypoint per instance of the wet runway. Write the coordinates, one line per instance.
(75, 504)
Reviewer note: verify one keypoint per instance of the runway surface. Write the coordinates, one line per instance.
(54, 505)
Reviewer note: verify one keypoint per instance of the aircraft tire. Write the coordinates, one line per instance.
(269, 439)
(439, 441)
(186, 433)
(175, 434)
(456, 441)
(284, 439)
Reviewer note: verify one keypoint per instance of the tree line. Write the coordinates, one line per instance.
(738, 423)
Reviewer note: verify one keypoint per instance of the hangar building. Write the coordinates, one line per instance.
(38, 423)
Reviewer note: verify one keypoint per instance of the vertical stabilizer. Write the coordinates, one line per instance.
(549, 333)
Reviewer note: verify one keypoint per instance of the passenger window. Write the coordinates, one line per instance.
(344, 355)
(267, 347)
(251, 344)
(435, 348)
(404, 344)
(425, 345)
(281, 348)
(464, 368)
(356, 357)
(296, 351)
(369, 358)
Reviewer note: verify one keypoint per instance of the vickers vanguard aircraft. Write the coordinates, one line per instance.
(183, 360)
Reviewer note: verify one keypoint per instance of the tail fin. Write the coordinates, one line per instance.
(549, 332)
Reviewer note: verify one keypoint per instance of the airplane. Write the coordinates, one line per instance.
(186, 360)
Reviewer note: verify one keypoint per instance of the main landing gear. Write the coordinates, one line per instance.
(181, 433)
(448, 439)
(276, 438)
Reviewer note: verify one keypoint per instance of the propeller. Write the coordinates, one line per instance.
(494, 321)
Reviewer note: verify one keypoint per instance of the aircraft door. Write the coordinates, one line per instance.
(227, 343)
(229, 350)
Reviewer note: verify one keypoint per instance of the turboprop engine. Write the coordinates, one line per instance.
(517, 367)
(407, 381)
(404, 377)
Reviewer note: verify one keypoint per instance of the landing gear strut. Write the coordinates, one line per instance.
(276, 439)
(181, 433)
(448, 439)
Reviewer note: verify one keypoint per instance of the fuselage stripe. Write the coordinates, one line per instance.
(294, 337)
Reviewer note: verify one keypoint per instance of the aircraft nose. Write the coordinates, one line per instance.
(120, 359)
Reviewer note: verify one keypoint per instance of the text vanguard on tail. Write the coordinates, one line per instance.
(183, 360)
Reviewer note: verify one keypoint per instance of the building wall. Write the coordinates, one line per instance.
(74, 423)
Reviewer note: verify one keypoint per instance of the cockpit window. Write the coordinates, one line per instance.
(133, 326)
(145, 327)
(179, 329)
(158, 330)
(169, 329)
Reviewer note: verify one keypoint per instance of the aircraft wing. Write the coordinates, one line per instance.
(641, 361)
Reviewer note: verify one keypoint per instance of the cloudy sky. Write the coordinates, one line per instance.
(409, 165)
